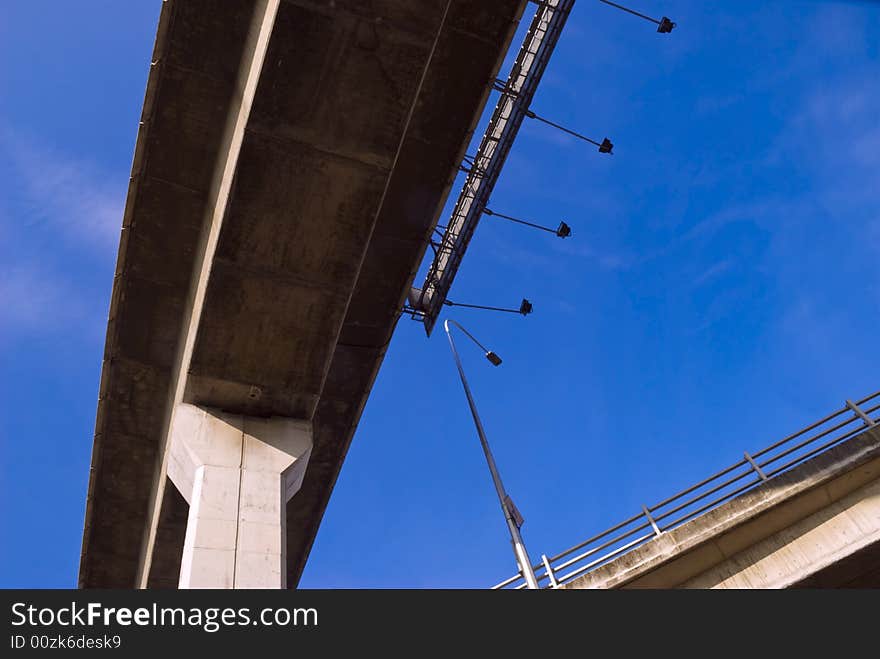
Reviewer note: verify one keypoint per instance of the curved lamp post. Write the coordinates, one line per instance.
(511, 514)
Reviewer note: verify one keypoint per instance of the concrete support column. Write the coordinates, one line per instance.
(237, 473)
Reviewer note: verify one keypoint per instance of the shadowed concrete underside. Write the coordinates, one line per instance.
(360, 117)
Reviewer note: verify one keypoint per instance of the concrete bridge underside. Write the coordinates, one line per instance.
(816, 526)
(292, 159)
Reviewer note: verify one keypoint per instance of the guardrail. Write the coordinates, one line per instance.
(755, 468)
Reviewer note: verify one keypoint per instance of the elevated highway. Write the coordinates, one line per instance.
(817, 526)
(801, 512)
(292, 159)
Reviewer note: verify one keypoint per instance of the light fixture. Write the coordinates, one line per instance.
(605, 145)
(664, 25)
(525, 307)
(563, 230)
(415, 306)
(512, 516)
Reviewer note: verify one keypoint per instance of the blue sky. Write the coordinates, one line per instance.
(720, 290)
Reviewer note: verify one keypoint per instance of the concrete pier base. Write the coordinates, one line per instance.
(237, 473)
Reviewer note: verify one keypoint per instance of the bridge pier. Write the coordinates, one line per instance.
(292, 160)
(237, 473)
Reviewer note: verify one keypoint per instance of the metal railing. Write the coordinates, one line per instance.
(753, 470)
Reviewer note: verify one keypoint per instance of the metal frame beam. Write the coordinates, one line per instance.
(486, 165)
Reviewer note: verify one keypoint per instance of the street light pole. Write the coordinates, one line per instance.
(511, 515)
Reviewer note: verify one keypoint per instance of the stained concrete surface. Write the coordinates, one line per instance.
(336, 191)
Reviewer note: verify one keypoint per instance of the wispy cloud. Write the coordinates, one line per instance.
(873, 234)
(58, 192)
(604, 258)
(759, 212)
(707, 105)
(34, 299)
(831, 142)
(506, 251)
(61, 217)
(712, 271)
(834, 134)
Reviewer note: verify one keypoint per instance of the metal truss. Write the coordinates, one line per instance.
(484, 167)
